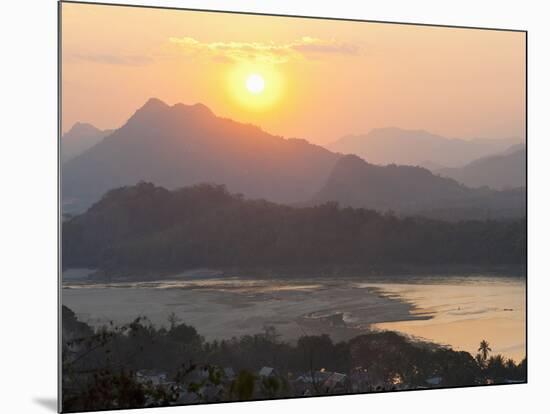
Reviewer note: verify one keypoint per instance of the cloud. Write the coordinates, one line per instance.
(344, 49)
(125, 60)
(271, 52)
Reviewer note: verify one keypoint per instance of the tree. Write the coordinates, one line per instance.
(243, 386)
(185, 334)
(173, 320)
(270, 387)
(484, 349)
(496, 368)
(480, 361)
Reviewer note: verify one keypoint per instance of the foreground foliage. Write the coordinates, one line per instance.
(103, 369)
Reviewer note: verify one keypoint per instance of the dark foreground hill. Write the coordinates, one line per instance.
(145, 228)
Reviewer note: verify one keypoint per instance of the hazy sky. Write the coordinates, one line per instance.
(321, 78)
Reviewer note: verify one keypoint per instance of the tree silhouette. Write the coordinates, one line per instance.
(121, 366)
(484, 349)
(497, 369)
(173, 320)
(480, 361)
(243, 386)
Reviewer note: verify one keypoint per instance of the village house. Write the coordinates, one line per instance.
(267, 372)
(359, 380)
(152, 377)
(434, 381)
(336, 383)
(229, 373)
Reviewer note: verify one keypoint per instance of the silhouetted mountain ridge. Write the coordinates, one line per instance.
(411, 190)
(183, 144)
(499, 171)
(180, 145)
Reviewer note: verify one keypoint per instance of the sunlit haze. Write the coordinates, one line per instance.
(307, 78)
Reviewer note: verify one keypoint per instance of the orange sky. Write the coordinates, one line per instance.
(323, 78)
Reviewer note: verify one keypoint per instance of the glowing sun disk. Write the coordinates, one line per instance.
(255, 87)
(255, 83)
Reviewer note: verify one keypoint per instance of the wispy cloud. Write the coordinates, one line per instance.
(271, 52)
(109, 59)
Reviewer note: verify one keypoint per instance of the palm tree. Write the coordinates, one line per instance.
(484, 349)
(480, 361)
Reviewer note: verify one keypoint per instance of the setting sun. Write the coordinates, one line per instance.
(255, 87)
(255, 83)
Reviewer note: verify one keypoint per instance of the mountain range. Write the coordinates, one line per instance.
(182, 145)
(80, 138)
(178, 145)
(414, 191)
(500, 171)
(416, 147)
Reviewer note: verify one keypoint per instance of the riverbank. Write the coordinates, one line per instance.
(299, 272)
(457, 310)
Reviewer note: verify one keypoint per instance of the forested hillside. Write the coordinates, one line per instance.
(146, 227)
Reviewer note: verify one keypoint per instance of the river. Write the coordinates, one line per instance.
(457, 311)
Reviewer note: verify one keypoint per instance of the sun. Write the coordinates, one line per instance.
(255, 87)
(255, 83)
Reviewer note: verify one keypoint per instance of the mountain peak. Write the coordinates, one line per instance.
(197, 109)
(154, 104)
(82, 128)
(152, 109)
(178, 145)
(80, 138)
(407, 134)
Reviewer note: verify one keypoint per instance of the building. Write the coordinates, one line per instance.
(434, 381)
(267, 372)
(336, 383)
(146, 376)
(229, 373)
(359, 380)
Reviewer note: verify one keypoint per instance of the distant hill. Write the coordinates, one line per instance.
(145, 229)
(514, 148)
(413, 190)
(432, 166)
(80, 138)
(407, 147)
(505, 170)
(179, 145)
(182, 145)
